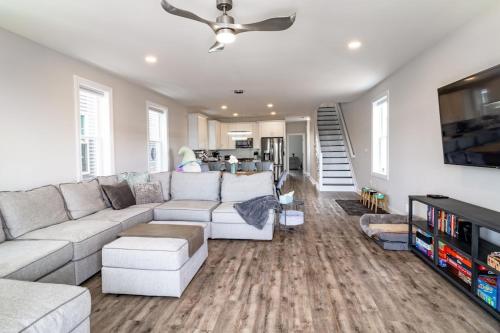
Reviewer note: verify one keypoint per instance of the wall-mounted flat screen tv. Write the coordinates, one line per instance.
(470, 120)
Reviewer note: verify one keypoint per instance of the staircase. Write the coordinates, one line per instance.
(336, 170)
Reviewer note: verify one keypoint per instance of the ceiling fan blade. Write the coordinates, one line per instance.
(216, 47)
(186, 14)
(274, 24)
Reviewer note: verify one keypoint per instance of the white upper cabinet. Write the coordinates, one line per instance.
(214, 135)
(198, 131)
(274, 128)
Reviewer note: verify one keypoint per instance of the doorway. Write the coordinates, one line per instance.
(296, 152)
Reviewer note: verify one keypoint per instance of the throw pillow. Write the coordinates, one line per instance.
(133, 178)
(148, 193)
(120, 195)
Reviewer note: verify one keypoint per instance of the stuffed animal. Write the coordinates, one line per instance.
(189, 162)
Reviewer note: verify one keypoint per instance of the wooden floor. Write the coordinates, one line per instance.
(326, 277)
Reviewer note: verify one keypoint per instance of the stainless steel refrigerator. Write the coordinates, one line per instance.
(273, 150)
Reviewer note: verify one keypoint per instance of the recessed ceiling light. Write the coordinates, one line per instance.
(239, 91)
(235, 115)
(224, 107)
(270, 105)
(470, 78)
(151, 59)
(273, 113)
(354, 45)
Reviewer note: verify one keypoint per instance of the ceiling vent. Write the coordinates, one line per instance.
(239, 91)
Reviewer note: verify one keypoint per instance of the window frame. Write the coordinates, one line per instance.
(79, 82)
(166, 146)
(384, 95)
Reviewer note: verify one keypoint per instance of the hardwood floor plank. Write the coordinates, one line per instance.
(324, 277)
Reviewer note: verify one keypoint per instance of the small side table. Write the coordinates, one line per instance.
(291, 215)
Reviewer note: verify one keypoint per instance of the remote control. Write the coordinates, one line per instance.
(437, 196)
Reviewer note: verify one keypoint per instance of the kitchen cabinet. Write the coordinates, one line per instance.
(214, 135)
(270, 129)
(226, 142)
(197, 131)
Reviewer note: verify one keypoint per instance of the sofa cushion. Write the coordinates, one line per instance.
(42, 307)
(195, 186)
(107, 180)
(164, 179)
(23, 212)
(128, 217)
(185, 210)
(120, 195)
(31, 260)
(2, 235)
(242, 188)
(87, 236)
(83, 198)
(226, 213)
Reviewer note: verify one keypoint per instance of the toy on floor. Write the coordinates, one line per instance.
(189, 162)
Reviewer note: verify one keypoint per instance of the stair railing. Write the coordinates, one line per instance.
(319, 154)
(347, 139)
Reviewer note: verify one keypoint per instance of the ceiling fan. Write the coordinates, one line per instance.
(224, 27)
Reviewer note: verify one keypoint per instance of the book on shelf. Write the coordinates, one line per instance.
(446, 222)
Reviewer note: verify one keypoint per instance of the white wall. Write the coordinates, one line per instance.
(416, 157)
(37, 116)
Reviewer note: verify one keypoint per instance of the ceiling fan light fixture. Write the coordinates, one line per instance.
(225, 36)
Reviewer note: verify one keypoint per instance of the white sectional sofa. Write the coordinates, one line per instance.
(55, 234)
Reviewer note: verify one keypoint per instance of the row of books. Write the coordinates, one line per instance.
(459, 266)
(446, 222)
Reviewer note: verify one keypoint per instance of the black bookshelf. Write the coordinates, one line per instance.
(477, 251)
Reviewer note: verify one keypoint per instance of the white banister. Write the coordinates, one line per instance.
(319, 154)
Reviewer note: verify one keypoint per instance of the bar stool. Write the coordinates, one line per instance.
(364, 191)
(369, 196)
(377, 200)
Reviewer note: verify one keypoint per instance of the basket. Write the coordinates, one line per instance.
(293, 218)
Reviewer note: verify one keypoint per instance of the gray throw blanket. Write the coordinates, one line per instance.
(256, 211)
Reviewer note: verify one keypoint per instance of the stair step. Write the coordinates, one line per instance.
(328, 127)
(334, 154)
(342, 173)
(327, 108)
(330, 132)
(328, 122)
(337, 181)
(334, 149)
(328, 118)
(336, 167)
(339, 188)
(335, 160)
(327, 149)
(326, 143)
(330, 137)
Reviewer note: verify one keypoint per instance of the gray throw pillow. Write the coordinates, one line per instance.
(148, 193)
(120, 195)
(133, 178)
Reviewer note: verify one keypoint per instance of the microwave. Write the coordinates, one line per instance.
(248, 143)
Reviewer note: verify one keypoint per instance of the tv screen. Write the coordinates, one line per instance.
(470, 120)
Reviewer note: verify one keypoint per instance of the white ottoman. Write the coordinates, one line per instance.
(149, 266)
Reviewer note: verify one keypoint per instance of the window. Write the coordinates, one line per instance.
(380, 131)
(157, 139)
(95, 152)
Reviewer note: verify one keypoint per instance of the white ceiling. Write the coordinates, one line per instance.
(295, 69)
